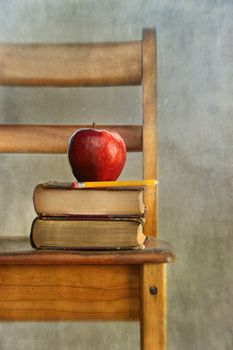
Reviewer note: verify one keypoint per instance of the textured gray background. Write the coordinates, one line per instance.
(195, 50)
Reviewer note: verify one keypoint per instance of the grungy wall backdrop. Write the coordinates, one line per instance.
(195, 123)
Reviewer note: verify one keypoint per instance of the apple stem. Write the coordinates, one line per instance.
(93, 125)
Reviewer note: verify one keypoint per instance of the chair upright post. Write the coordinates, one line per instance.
(152, 276)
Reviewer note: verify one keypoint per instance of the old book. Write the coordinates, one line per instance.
(86, 233)
(63, 199)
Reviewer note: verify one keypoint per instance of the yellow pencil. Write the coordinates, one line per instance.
(97, 184)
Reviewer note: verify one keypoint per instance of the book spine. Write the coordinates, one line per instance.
(31, 235)
(36, 189)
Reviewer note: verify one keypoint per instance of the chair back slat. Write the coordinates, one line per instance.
(53, 138)
(100, 64)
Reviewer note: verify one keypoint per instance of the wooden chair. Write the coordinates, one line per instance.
(122, 285)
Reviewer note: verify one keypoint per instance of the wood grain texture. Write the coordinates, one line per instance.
(53, 138)
(156, 251)
(153, 307)
(99, 64)
(149, 127)
(69, 292)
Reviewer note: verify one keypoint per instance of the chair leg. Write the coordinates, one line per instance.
(153, 306)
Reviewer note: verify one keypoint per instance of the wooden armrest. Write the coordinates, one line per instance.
(156, 251)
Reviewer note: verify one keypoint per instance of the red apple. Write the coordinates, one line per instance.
(96, 155)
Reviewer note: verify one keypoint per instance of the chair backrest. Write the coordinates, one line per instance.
(96, 64)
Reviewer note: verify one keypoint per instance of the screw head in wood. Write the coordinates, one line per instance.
(153, 290)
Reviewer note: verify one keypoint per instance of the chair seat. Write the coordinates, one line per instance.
(17, 251)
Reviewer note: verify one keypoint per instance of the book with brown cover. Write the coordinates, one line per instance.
(87, 233)
(62, 199)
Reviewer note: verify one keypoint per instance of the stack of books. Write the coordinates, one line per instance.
(89, 215)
